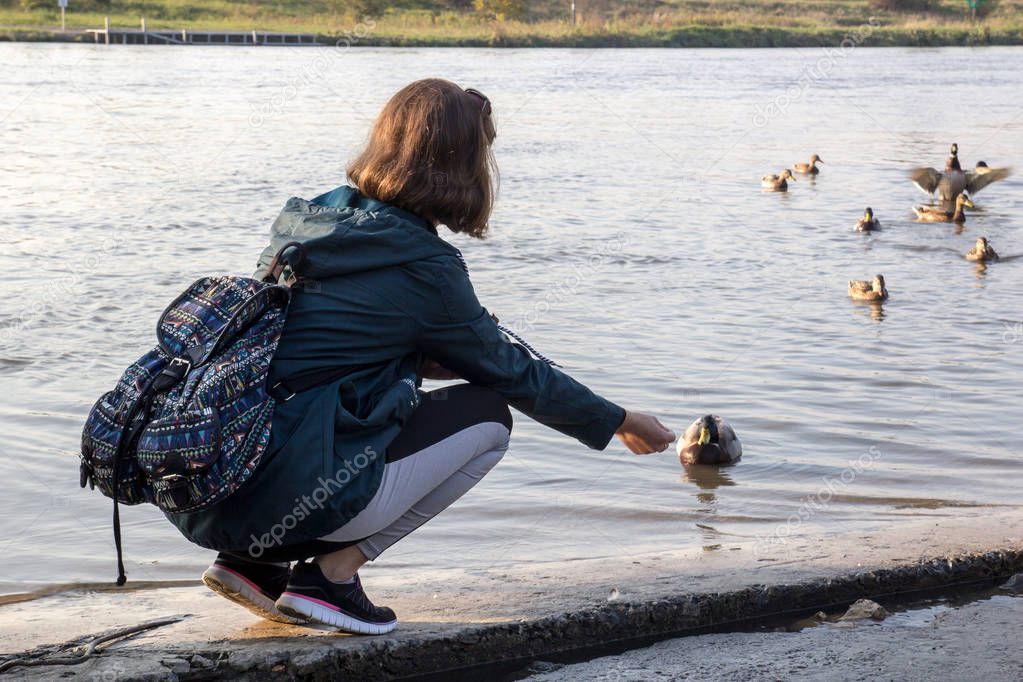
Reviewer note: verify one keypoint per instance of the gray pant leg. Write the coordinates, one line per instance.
(418, 487)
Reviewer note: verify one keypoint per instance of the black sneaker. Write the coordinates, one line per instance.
(253, 585)
(335, 606)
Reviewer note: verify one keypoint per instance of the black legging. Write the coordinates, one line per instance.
(455, 436)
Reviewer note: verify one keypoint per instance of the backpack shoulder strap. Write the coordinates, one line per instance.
(279, 261)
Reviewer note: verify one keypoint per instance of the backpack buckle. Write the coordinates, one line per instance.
(278, 385)
(176, 495)
(172, 373)
(176, 365)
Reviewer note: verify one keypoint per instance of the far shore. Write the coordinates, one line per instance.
(693, 36)
(488, 23)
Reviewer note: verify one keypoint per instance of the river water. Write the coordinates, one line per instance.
(631, 243)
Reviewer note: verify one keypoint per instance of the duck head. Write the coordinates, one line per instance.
(868, 214)
(952, 163)
(981, 245)
(877, 284)
(815, 159)
(787, 175)
(708, 431)
(964, 200)
(981, 164)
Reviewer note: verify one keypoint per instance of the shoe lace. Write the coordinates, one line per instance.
(358, 595)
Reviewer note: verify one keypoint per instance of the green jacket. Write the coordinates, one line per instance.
(380, 289)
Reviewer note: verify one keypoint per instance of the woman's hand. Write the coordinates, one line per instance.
(643, 434)
(431, 369)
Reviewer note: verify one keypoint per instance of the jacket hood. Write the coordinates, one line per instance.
(343, 232)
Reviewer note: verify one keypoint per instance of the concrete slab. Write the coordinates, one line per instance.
(454, 618)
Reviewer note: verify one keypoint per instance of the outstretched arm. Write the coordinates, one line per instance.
(463, 338)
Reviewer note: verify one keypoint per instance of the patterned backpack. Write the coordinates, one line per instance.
(189, 421)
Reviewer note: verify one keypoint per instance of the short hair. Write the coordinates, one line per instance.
(430, 154)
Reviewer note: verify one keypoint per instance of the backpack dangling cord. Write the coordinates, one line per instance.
(141, 405)
(121, 577)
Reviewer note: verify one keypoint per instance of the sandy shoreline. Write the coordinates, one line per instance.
(933, 642)
(524, 608)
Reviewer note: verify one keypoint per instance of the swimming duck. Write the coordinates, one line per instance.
(942, 213)
(873, 290)
(868, 223)
(953, 179)
(777, 183)
(809, 168)
(981, 251)
(709, 440)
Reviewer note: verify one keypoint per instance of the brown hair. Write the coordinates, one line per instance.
(429, 154)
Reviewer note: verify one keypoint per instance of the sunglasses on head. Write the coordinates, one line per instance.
(485, 106)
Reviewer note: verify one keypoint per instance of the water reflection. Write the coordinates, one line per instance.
(719, 327)
(875, 308)
(707, 478)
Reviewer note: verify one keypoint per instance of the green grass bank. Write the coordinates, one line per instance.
(514, 23)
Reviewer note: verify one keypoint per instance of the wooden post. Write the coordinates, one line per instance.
(254, 40)
(106, 29)
(145, 35)
(184, 36)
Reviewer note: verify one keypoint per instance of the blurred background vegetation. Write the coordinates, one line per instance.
(550, 22)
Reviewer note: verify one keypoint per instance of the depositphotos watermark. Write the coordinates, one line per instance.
(304, 506)
(312, 74)
(581, 275)
(813, 74)
(1012, 333)
(819, 501)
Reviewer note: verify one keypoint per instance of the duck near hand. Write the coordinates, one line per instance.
(868, 290)
(709, 440)
(777, 183)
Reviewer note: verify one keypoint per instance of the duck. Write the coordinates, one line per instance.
(872, 290)
(944, 214)
(953, 180)
(868, 223)
(981, 168)
(809, 168)
(981, 251)
(709, 440)
(777, 183)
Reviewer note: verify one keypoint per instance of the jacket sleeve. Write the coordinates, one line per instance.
(460, 335)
